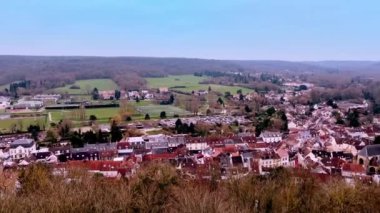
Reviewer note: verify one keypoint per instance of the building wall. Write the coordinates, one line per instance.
(196, 146)
(21, 152)
(272, 139)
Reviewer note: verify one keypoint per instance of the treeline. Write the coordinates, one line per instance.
(50, 72)
(129, 72)
(372, 92)
(160, 188)
(15, 87)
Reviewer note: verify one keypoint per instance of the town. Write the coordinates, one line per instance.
(249, 131)
(189, 106)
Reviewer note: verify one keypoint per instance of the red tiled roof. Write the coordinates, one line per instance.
(249, 139)
(159, 156)
(356, 168)
(122, 145)
(230, 149)
(259, 145)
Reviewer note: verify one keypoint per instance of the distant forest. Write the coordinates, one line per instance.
(128, 72)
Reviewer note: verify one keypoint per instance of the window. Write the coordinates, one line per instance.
(361, 161)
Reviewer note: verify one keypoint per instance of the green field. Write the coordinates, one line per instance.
(5, 125)
(191, 83)
(102, 114)
(155, 110)
(87, 86)
(137, 110)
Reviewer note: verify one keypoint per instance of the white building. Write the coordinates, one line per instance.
(357, 133)
(196, 146)
(271, 137)
(22, 104)
(53, 98)
(22, 148)
(284, 156)
(4, 102)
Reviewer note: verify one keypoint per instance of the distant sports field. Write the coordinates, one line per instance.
(102, 114)
(87, 86)
(24, 123)
(155, 110)
(188, 83)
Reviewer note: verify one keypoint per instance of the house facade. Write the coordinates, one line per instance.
(22, 148)
(369, 157)
(271, 137)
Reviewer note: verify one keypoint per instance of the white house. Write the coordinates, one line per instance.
(4, 102)
(292, 125)
(357, 133)
(284, 155)
(268, 160)
(197, 146)
(271, 137)
(22, 148)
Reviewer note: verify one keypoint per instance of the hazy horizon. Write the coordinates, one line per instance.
(192, 58)
(294, 30)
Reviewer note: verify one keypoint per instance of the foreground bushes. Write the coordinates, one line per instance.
(159, 188)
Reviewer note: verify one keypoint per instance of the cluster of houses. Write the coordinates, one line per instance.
(344, 153)
(34, 103)
(130, 95)
(314, 142)
(212, 120)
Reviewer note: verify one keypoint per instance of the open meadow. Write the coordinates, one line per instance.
(21, 123)
(86, 86)
(155, 110)
(189, 83)
(103, 115)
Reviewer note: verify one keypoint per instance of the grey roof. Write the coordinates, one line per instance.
(101, 146)
(247, 155)
(270, 134)
(177, 139)
(95, 147)
(26, 143)
(370, 150)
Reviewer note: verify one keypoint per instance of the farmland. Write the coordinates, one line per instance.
(188, 83)
(86, 86)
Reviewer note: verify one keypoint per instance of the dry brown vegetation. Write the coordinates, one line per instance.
(159, 188)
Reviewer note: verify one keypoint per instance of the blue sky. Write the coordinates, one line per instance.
(220, 29)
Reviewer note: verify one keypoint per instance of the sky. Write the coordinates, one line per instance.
(295, 30)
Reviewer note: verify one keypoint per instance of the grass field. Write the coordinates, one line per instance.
(155, 110)
(102, 114)
(191, 83)
(5, 125)
(138, 111)
(88, 85)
